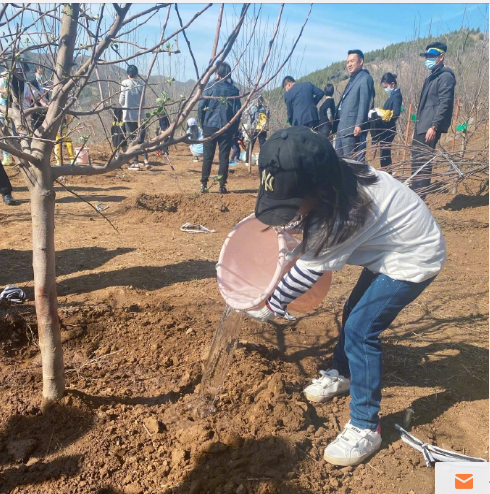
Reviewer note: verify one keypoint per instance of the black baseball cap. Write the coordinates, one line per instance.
(292, 162)
(434, 49)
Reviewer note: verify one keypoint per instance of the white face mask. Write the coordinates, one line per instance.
(389, 90)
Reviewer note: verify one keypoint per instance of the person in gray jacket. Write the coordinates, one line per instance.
(434, 114)
(130, 101)
(354, 105)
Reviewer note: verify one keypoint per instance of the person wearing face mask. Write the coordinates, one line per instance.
(434, 114)
(386, 117)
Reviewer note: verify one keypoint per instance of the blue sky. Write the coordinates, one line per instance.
(333, 28)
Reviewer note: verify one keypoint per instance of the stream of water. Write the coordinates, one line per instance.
(219, 360)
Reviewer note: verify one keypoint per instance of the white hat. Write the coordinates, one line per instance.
(191, 122)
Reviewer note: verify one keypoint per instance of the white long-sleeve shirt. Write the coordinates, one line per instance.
(401, 239)
(130, 98)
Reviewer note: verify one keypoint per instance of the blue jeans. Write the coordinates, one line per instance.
(372, 306)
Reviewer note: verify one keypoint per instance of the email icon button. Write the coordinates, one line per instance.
(463, 481)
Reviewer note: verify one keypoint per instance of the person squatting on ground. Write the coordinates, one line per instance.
(130, 99)
(301, 99)
(327, 111)
(194, 132)
(219, 105)
(434, 113)
(350, 214)
(385, 118)
(354, 105)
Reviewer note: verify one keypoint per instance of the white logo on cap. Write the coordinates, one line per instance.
(267, 181)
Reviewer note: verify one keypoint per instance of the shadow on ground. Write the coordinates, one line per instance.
(140, 277)
(35, 437)
(17, 264)
(461, 202)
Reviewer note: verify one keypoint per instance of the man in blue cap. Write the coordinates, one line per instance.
(434, 113)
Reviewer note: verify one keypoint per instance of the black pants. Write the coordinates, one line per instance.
(420, 157)
(261, 136)
(133, 134)
(224, 143)
(386, 138)
(5, 185)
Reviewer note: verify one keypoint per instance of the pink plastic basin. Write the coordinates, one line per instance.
(82, 155)
(252, 262)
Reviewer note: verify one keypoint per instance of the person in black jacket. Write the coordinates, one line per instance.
(301, 99)
(434, 114)
(385, 123)
(327, 111)
(219, 106)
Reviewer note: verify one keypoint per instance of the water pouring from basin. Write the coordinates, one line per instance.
(252, 262)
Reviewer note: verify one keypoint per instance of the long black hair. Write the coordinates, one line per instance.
(388, 78)
(340, 206)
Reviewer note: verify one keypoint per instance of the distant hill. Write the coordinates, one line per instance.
(456, 41)
(467, 55)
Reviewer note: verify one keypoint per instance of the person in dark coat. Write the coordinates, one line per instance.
(385, 123)
(219, 105)
(327, 111)
(354, 105)
(435, 111)
(301, 99)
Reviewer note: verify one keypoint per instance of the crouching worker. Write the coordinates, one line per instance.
(350, 214)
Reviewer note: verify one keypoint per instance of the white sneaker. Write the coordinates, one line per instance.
(326, 387)
(352, 446)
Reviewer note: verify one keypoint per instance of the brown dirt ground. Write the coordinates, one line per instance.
(139, 308)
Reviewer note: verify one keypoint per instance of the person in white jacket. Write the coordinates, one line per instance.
(131, 100)
(350, 214)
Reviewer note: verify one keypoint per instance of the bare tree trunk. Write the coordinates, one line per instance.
(43, 261)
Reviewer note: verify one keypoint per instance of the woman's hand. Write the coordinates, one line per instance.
(266, 314)
(261, 315)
